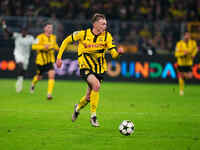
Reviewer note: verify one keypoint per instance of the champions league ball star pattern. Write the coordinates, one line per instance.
(126, 127)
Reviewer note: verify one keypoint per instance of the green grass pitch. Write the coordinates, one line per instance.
(163, 119)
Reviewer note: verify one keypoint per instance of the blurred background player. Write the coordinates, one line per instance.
(45, 48)
(23, 42)
(185, 52)
(92, 47)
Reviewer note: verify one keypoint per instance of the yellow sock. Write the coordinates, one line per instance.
(83, 102)
(35, 80)
(181, 84)
(50, 85)
(94, 99)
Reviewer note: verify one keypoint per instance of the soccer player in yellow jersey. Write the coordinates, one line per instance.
(45, 48)
(93, 44)
(185, 52)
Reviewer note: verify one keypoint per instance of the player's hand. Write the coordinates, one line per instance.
(59, 63)
(120, 50)
(185, 52)
(3, 22)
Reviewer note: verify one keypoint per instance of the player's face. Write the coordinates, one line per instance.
(187, 36)
(48, 29)
(24, 32)
(100, 25)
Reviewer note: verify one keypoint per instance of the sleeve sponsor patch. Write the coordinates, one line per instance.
(75, 33)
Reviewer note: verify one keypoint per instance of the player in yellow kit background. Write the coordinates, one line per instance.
(185, 52)
(45, 49)
(93, 44)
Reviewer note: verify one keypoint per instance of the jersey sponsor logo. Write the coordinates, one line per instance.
(94, 45)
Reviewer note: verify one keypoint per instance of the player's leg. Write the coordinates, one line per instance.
(51, 82)
(36, 78)
(186, 74)
(94, 97)
(20, 76)
(181, 83)
(83, 102)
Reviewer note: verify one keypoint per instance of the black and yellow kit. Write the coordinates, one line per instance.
(45, 57)
(91, 49)
(190, 47)
(185, 62)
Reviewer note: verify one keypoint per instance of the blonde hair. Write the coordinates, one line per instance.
(97, 17)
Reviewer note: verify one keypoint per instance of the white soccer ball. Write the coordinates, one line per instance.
(126, 127)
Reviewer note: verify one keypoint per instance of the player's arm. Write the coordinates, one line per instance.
(39, 45)
(195, 50)
(76, 36)
(63, 46)
(112, 48)
(5, 29)
(179, 52)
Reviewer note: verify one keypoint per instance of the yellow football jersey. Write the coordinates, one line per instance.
(45, 56)
(91, 49)
(190, 47)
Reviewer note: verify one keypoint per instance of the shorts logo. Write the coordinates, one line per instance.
(87, 72)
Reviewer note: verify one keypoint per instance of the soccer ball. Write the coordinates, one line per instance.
(126, 127)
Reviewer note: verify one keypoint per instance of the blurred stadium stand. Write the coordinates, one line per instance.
(142, 27)
(134, 36)
(138, 25)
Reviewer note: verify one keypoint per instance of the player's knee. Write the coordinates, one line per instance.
(88, 97)
(51, 77)
(189, 76)
(20, 69)
(96, 86)
(51, 74)
(20, 65)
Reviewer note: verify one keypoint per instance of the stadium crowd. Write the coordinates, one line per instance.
(154, 23)
(151, 10)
